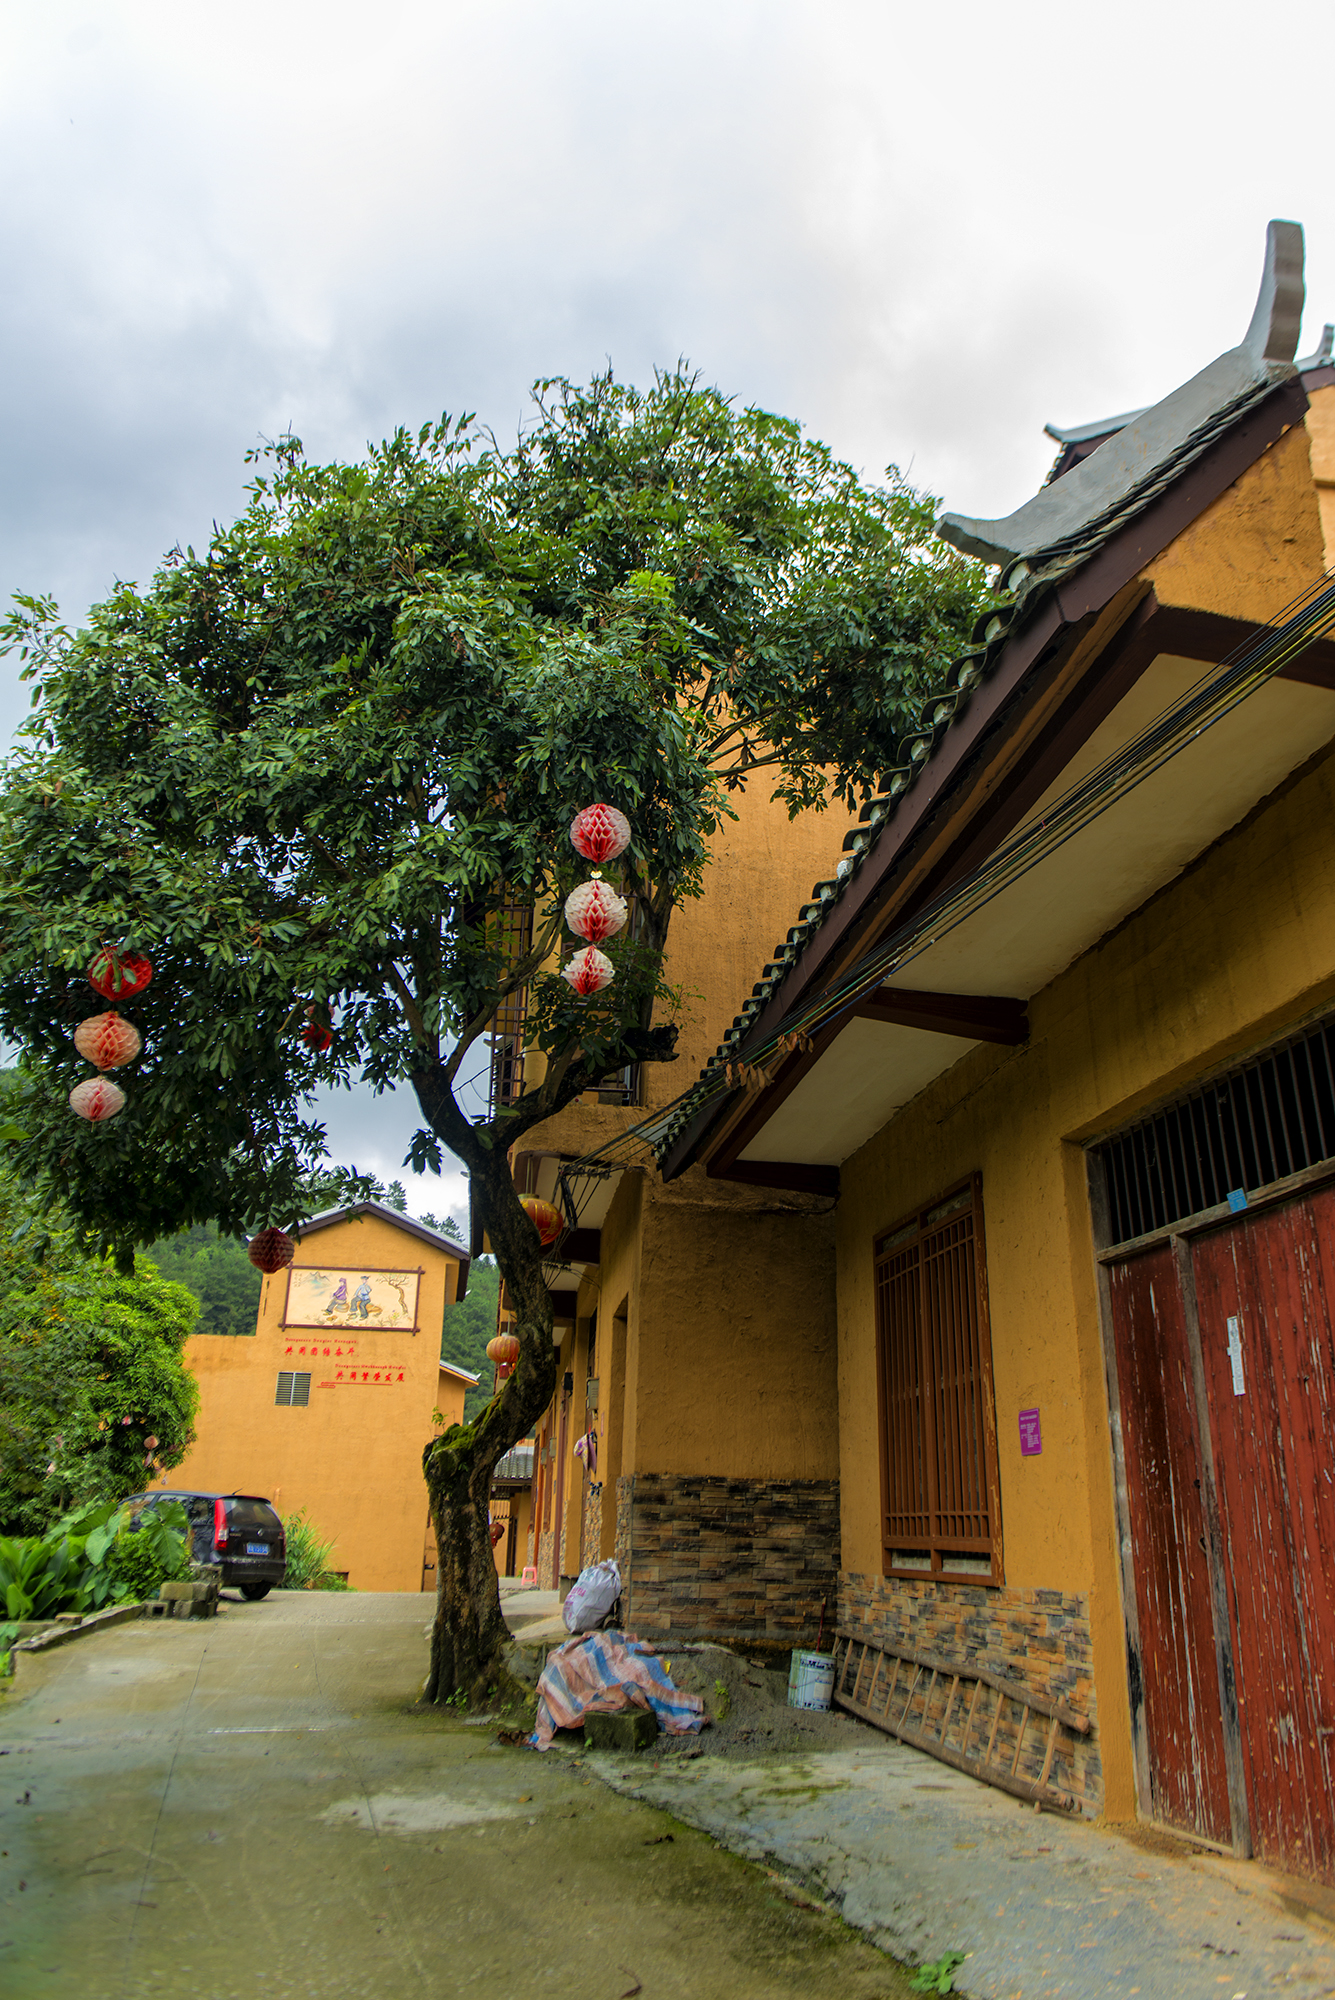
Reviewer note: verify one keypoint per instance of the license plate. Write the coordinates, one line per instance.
(257, 1548)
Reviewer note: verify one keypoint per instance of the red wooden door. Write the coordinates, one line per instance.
(1265, 1289)
(1179, 1680)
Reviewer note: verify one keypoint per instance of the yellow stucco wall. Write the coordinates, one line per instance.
(1240, 947)
(352, 1457)
(1321, 434)
(1237, 949)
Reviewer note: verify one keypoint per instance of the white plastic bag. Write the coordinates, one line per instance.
(592, 1596)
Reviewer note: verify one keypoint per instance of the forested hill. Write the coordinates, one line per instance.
(219, 1273)
(221, 1276)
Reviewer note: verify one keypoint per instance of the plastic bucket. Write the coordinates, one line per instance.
(811, 1680)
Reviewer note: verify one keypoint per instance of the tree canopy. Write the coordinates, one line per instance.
(309, 771)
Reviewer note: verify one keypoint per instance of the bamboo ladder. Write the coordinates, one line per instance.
(919, 1696)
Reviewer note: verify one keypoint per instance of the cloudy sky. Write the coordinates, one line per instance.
(923, 231)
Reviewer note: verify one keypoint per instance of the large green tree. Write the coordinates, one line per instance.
(95, 1396)
(309, 767)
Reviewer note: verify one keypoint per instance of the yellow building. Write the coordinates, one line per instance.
(328, 1408)
(704, 1394)
(1070, 1085)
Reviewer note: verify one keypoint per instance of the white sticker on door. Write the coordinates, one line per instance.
(1235, 1355)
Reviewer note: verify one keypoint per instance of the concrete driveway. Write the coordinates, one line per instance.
(250, 1806)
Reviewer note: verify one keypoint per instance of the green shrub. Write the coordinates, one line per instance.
(143, 1558)
(307, 1557)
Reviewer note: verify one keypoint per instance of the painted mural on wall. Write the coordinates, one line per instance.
(320, 1296)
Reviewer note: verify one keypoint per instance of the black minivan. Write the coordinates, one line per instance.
(236, 1533)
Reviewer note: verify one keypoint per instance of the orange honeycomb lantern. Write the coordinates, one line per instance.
(107, 1041)
(600, 833)
(97, 1100)
(547, 1220)
(119, 975)
(503, 1352)
(271, 1250)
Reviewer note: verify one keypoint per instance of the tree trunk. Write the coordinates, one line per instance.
(470, 1635)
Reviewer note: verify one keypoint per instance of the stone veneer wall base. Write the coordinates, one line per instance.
(727, 1559)
(1040, 1638)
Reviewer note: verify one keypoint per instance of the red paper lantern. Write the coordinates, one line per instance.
(317, 1037)
(503, 1352)
(547, 1220)
(119, 975)
(107, 1041)
(271, 1250)
(589, 971)
(97, 1099)
(600, 833)
(595, 911)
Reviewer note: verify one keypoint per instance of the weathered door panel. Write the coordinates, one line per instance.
(1273, 1275)
(1178, 1669)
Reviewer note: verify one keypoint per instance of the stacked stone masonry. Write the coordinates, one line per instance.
(727, 1559)
(1039, 1638)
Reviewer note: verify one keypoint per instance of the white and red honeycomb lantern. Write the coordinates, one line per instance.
(595, 911)
(270, 1250)
(546, 1218)
(97, 1099)
(107, 1040)
(119, 975)
(589, 971)
(600, 833)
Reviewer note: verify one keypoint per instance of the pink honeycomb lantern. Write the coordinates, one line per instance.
(97, 1099)
(107, 1040)
(589, 971)
(595, 911)
(600, 833)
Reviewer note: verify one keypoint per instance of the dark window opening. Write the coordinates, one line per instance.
(941, 1510)
(1269, 1118)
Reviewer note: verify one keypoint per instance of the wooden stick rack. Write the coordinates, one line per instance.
(969, 1718)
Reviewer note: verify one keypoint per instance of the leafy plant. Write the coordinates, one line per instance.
(148, 1552)
(39, 1578)
(307, 1557)
(939, 1976)
(722, 1701)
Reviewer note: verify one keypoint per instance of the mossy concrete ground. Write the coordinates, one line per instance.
(255, 1805)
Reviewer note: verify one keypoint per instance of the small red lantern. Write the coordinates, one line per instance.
(107, 1041)
(589, 971)
(119, 975)
(271, 1250)
(503, 1352)
(97, 1099)
(600, 833)
(547, 1220)
(595, 911)
(317, 1037)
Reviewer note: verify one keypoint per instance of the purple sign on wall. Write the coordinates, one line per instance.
(1031, 1434)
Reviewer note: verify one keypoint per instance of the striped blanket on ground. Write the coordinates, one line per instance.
(602, 1673)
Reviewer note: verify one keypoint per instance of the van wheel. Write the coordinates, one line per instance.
(254, 1591)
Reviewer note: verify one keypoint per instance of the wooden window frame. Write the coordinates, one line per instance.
(939, 1553)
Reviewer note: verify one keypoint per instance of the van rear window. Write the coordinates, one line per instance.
(245, 1513)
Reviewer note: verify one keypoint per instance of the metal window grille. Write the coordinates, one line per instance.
(938, 1426)
(294, 1390)
(1269, 1118)
(621, 1086)
(506, 1034)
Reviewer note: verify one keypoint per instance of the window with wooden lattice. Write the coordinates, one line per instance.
(940, 1497)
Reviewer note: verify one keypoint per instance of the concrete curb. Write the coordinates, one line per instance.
(61, 1635)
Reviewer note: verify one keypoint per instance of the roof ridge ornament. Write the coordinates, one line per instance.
(1135, 452)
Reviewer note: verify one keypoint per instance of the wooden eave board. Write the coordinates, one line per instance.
(1020, 941)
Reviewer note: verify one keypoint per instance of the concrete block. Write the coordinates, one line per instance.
(173, 1593)
(632, 1729)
